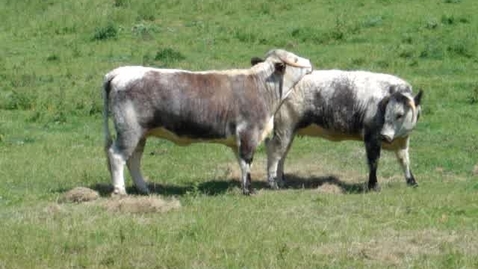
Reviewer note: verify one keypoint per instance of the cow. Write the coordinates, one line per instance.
(230, 107)
(378, 109)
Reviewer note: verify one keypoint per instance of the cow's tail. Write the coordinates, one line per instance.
(106, 109)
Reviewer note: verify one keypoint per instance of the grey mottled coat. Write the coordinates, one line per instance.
(378, 109)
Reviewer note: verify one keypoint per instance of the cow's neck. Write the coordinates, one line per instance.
(269, 88)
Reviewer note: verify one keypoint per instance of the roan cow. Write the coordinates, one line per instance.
(230, 107)
(378, 109)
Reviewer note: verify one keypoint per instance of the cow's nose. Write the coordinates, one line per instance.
(386, 138)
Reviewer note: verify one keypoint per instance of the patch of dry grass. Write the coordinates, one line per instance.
(394, 248)
(124, 204)
(79, 195)
(140, 204)
(330, 188)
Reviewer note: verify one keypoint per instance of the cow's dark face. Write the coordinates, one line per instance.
(401, 112)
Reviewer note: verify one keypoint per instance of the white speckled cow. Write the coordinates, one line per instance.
(378, 109)
(231, 107)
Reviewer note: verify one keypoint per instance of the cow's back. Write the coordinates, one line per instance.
(188, 104)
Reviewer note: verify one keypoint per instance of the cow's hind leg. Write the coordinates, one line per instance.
(118, 154)
(134, 167)
(373, 148)
(280, 168)
(116, 161)
(277, 149)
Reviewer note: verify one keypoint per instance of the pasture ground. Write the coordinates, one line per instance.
(53, 55)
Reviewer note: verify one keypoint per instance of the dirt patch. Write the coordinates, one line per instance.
(439, 169)
(140, 204)
(394, 248)
(126, 204)
(475, 170)
(330, 188)
(52, 209)
(79, 195)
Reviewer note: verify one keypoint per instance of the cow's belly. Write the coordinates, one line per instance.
(185, 141)
(315, 130)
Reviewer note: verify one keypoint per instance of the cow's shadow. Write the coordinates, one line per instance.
(299, 182)
(219, 186)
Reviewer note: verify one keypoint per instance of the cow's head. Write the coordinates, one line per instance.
(290, 67)
(401, 112)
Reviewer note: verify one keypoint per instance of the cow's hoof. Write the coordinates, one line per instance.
(375, 188)
(143, 191)
(118, 193)
(273, 185)
(412, 183)
(248, 192)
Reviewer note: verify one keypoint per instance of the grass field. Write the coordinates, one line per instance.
(53, 55)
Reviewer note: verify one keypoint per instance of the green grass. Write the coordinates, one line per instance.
(53, 55)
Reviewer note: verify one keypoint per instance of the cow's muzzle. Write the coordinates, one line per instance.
(386, 138)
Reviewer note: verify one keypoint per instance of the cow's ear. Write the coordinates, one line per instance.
(392, 89)
(418, 98)
(382, 106)
(280, 67)
(256, 60)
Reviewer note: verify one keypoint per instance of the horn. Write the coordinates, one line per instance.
(407, 100)
(285, 56)
(411, 103)
(288, 61)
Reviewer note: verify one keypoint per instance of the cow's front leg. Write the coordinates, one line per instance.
(373, 148)
(403, 159)
(246, 177)
(245, 156)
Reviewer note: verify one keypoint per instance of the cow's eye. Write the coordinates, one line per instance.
(399, 116)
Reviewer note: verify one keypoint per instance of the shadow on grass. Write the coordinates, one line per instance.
(213, 187)
(314, 182)
(217, 187)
